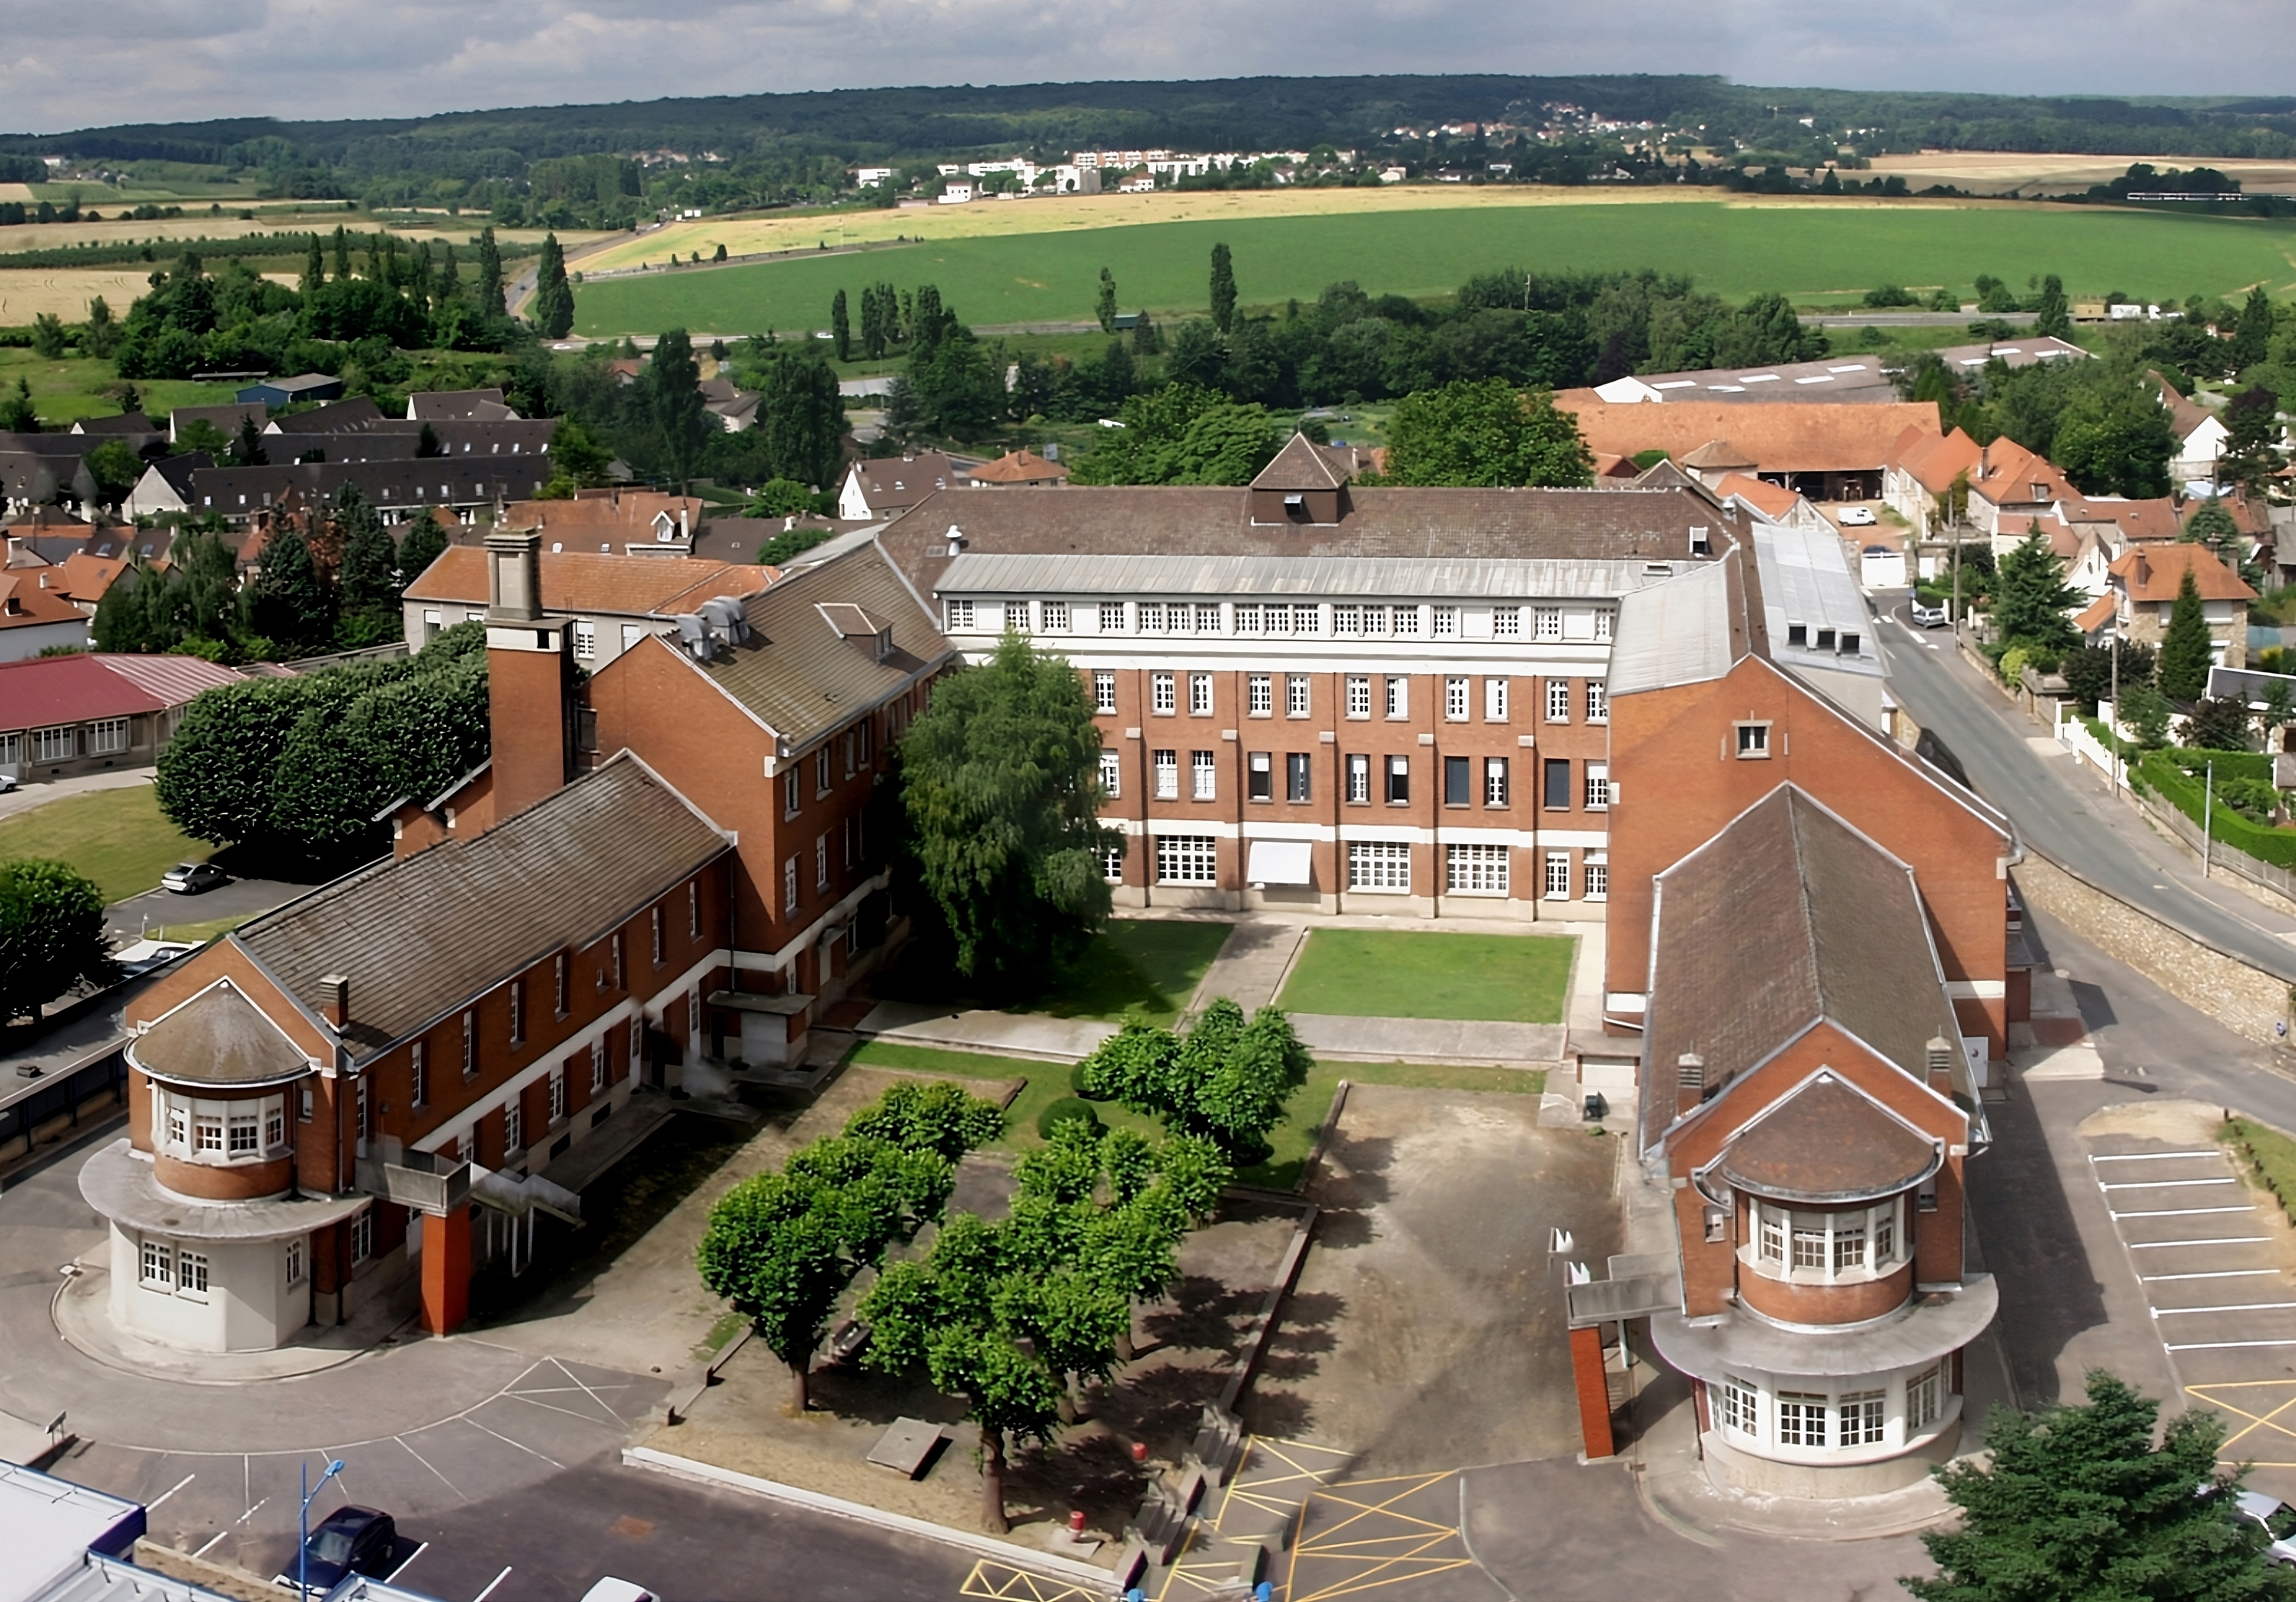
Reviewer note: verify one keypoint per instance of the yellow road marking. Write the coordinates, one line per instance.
(2269, 1421)
(1002, 1582)
(1377, 1544)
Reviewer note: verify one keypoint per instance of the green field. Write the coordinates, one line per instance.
(1371, 973)
(117, 837)
(65, 391)
(1814, 255)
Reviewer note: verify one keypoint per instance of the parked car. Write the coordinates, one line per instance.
(1928, 617)
(144, 955)
(610, 1589)
(8, 783)
(194, 879)
(349, 1541)
(1856, 517)
(2279, 1522)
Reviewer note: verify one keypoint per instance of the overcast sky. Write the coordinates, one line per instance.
(67, 66)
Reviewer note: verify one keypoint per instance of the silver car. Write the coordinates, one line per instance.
(2279, 1522)
(1927, 617)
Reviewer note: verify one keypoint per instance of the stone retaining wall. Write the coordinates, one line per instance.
(2244, 999)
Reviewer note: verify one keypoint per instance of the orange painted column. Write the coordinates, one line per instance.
(1593, 1389)
(446, 1269)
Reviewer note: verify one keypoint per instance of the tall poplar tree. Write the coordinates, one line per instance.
(553, 314)
(841, 327)
(1223, 289)
(490, 272)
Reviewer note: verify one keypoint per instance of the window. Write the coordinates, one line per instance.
(1298, 769)
(1865, 1417)
(1112, 770)
(1598, 701)
(1801, 1418)
(598, 1064)
(561, 987)
(191, 1272)
(1476, 870)
(1808, 1245)
(360, 1120)
(1383, 865)
(821, 771)
(1208, 617)
(1164, 694)
(1186, 859)
(1556, 796)
(1885, 1234)
(1111, 863)
(418, 1073)
(789, 794)
(1307, 619)
(54, 745)
(1295, 694)
(1359, 695)
(618, 961)
(1458, 781)
(1375, 621)
(586, 639)
(821, 861)
(1454, 700)
(1753, 741)
(1111, 622)
(517, 1011)
(1203, 776)
(694, 909)
(1558, 700)
(107, 736)
(1359, 779)
(245, 1132)
(1547, 622)
(1398, 780)
(1167, 775)
(513, 1128)
(1494, 701)
(960, 615)
(1741, 1407)
(1598, 786)
(1398, 696)
(1056, 616)
(179, 1121)
(1248, 617)
(1772, 1236)
(557, 1094)
(275, 1124)
(849, 749)
(1924, 1398)
(1260, 691)
(1495, 781)
(789, 887)
(1199, 694)
(1598, 877)
(363, 1235)
(1848, 1247)
(1260, 776)
(1151, 617)
(1447, 623)
(158, 1263)
(1405, 621)
(1558, 876)
(1507, 622)
(298, 1258)
(1605, 619)
(1104, 691)
(1347, 621)
(207, 1134)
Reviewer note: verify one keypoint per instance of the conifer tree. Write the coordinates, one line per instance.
(553, 313)
(2185, 653)
(1223, 289)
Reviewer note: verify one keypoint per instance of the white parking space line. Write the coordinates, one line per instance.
(2162, 1313)
(490, 1592)
(2146, 1246)
(2180, 1213)
(171, 1490)
(2160, 1184)
(2214, 1273)
(2228, 1345)
(2148, 1157)
(411, 1556)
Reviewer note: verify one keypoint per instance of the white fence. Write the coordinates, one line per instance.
(2072, 733)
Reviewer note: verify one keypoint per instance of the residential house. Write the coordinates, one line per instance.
(397, 489)
(36, 612)
(2200, 434)
(65, 716)
(166, 485)
(458, 405)
(137, 431)
(1021, 468)
(734, 408)
(1827, 452)
(1859, 379)
(341, 415)
(876, 488)
(227, 421)
(611, 601)
(2146, 580)
(1919, 481)
(1774, 503)
(636, 522)
(2010, 486)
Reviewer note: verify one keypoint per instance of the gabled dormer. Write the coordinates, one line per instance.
(1300, 486)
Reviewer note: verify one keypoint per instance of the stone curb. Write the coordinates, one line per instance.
(980, 1546)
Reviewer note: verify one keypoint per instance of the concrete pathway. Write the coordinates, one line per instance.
(39, 792)
(1251, 967)
(1007, 1033)
(1343, 1039)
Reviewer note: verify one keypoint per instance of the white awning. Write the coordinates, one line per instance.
(1281, 862)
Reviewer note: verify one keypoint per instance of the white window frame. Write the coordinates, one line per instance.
(514, 1127)
(1187, 859)
(1558, 700)
(1259, 690)
(1111, 622)
(1844, 1245)
(298, 1260)
(960, 615)
(1804, 1419)
(1359, 695)
(1445, 623)
(1506, 623)
(55, 745)
(1925, 1396)
(1112, 772)
(598, 1050)
(1861, 1418)
(1016, 618)
(1739, 1407)
(1497, 783)
(789, 887)
(1494, 701)
(1358, 779)
(1163, 694)
(418, 1073)
(1203, 776)
(1557, 881)
(1403, 622)
(1298, 695)
(1199, 695)
(1379, 867)
(1598, 786)
(107, 737)
(157, 1260)
(1596, 866)
(362, 1236)
(821, 861)
(1476, 870)
(1103, 691)
(558, 1095)
(1167, 764)
(1111, 863)
(1056, 616)
(586, 639)
(1398, 696)
(192, 1274)
(1456, 699)
(1547, 622)
(470, 1043)
(1598, 701)
(1606, 620)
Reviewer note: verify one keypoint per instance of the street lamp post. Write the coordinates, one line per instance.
(303, 1524)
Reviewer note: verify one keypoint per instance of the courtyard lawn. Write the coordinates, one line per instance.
(1372, 973)
(1046, 1082)
(1154, 964)
(117, 837)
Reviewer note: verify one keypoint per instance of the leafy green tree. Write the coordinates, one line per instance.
(2076, 1502)
(576, 457)
(2218, 723)
(2251, 453)
(247, 450)
(49, 340)
(51, 935)
(116, 468)
(201, 435)
(2145, 712)
(369, 581)
(1223, 289)
(1181, 434)
(1226, 1080)
(2030, 598)
(17, 414)
(2251, 340)
(2186, 655)
(291, 601)
(2112, 441)
(1000, 783)
(801, 418)
(1485, 435)
(315, 268)
(99, 336)
(841, 327)
(680, 416)
(1105, 306)
(780, 498)
(423, 541)
(939, 1118)
(553, 310)
(2053, 315)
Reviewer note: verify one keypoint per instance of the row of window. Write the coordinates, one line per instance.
(1861, 1243)
(1461, 780)
(1343, 620)
(1394, 697)
(1830, 1420)
(198, 1130)
(851, 750)
(852, 829)
(106, 736)
(1385, 866)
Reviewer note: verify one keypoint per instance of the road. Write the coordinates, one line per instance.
(2062, 814)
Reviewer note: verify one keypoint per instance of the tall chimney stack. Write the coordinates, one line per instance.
(530, 676)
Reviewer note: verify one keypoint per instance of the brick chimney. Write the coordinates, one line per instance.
(530, 676)
(336, 1005)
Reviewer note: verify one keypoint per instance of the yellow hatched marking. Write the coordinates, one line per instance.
(1276, 1476)
(1377, 1544)
(1002, 1582)
(2277, 1426)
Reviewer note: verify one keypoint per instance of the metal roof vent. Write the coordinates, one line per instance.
(1690, 1071)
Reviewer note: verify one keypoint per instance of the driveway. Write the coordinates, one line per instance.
(32, 793)
(155, 909)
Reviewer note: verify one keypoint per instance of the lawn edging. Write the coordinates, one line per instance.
(2269, 1156)
(900, 1524)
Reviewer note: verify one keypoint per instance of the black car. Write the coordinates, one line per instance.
(350, 1540)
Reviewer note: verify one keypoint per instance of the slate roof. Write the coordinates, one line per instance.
(798, 677)
(420, 935)
(235, 492)
(225, 418)
(433, 405)
(888, 482)
(1785, 918)
(1828, 1143)
(357, 413)
(1300, 466)
(219, 1037)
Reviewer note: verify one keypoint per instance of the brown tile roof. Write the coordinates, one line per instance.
(87, 577)
(2007, 472)
(419, 937)
(605, 514)
(2157, 572)
(1787, 917)
(2098, 614)
(219, 1037)
(1772, 500)
(588, 582)
(1300, 466)
(1783, 437)
(1019, 467)
(1828, 1143)
(1175, 521)
(2183, 416)
(1935, 460)
(1719, 453)
(802, 678)
(26, 602)
(2154, 519)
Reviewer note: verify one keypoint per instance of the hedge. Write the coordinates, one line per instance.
(2173, 775)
